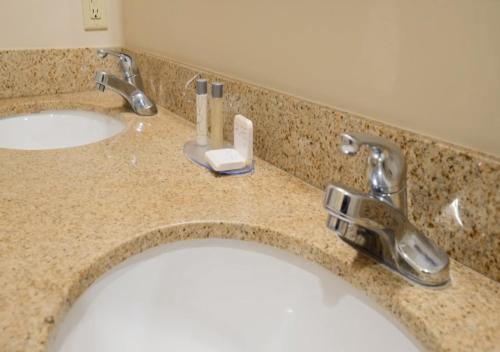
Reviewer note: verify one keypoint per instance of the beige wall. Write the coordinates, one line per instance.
(432, 66)
(55, 24)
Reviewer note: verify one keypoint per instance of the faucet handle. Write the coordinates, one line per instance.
(387, 165)
(127, 63)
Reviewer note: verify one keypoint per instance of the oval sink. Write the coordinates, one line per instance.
(225, 295)
(56, 129)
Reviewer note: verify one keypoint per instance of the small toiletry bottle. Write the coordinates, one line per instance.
(217, 116)
(201, 112)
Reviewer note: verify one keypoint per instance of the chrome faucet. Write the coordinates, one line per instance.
(376, 223)
(130, 87)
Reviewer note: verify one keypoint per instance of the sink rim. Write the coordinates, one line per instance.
(282, 254)
(197, 230)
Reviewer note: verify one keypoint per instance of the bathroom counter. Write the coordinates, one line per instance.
(68, 216)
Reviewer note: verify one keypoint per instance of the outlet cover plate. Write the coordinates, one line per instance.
(94, 15)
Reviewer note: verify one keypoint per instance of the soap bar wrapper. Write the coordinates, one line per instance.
(243, 138)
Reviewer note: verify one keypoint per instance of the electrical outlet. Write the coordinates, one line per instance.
(94, 15)
(95, 11)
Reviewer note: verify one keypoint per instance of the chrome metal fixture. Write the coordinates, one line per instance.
(130, 87)
(376, 223)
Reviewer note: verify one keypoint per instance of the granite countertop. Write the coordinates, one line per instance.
(67, 216)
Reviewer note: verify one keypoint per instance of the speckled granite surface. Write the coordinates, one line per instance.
(453, 193)
(49, 71)
(69, 215)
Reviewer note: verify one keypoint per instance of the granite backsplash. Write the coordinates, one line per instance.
(34, 72)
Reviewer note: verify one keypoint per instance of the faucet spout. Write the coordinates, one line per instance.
(383, 232)
(139, 102)
(130, 87)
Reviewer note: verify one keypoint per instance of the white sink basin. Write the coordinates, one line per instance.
(56, 129)
(225, 296)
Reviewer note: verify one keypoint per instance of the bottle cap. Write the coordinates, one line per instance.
(217, 90)
(201, 86)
